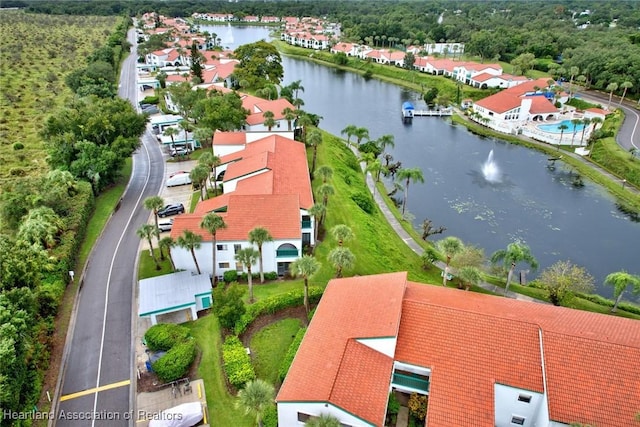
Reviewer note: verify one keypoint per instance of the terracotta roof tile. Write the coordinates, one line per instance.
(369, 372)
(229, 138)
(280, 214)
(369, 307)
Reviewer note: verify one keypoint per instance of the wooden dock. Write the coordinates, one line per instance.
(434, 113)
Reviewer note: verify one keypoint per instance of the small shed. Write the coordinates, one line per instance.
(174, 293)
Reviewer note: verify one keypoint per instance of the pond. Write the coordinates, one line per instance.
(559, 215)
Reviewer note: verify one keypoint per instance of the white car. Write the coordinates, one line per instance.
(165, 225)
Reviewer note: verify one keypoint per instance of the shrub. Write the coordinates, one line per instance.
(230, 276)
(291, 353)
(150, 100)
(270, 416)
(363, 200)
(236, 362)
(164, 336)
(418, 405)
(176, 362)
(271, 275)
(228, 304)
(18, 146)
(49, 295)
(276, 303)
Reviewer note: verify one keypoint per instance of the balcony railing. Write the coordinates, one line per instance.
(286, 253)
(414, 382)
(306, 223)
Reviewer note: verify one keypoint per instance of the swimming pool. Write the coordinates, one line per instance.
(555, 127)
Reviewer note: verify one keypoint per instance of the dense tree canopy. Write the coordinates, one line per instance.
(260, 64)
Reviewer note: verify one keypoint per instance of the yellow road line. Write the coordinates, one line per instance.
(94, 390)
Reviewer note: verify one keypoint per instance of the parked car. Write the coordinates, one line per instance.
(165, 225)
(180, 151)
(177, 173)
(173, 209)
(152, 109)
(180, 179)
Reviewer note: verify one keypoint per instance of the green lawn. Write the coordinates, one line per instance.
(221, 404)
(146, 266)
(269, 289)
(270, 345)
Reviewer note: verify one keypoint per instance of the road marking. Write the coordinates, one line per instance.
(94, 390)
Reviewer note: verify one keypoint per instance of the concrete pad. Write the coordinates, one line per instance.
(150, 405)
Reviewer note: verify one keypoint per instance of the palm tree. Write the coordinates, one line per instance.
(289, 116)
(385, 141)
(204, 136)
(211, 161)
(450, 246)
(341, 258)
(325, 190)
(317, 211)
(213, 222)
(342, 233)
(190, 241)
(620, 280)
(304, 121)
(200, 174)
(171, 132)
(515, 253)
(350, 131)
(409, 175)
(40, 227)
(611, 87)
(562, 128)
(147, 231)
(259, 236)
(248, 256)
(573, 71)
(323, 420)
(325, 172)
(625, 85)
(594, 121)
(255, 398)
(361, 133)
(575, 123)
(305, 267)
(470, 276)
(186, 126)
(154, 204)
(166, 243)
(295, 87)
(585, 123)
(314, 139)
(269, 121)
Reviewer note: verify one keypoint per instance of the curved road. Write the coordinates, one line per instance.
(97, 366)
(628, 136)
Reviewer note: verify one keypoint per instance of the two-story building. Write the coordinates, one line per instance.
(480, 360)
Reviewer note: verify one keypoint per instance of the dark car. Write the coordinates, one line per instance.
(174, 209)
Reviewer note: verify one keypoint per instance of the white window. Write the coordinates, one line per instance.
(221, 247)
(236, 248)
(223, 265)
(524, 398)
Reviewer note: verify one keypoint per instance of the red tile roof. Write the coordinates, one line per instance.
(229, 138)
(542, 105)
(470, 342)
(368, 308)
(284, 157)
(279, 213)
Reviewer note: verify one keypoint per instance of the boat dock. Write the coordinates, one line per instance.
(436, 113)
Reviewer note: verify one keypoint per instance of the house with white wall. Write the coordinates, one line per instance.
(482, 360)
(265, 184)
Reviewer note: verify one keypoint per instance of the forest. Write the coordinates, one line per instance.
(601, 39)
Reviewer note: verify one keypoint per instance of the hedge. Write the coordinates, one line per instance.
(164, 336)
(236, 362)
(276, 303)
(291, 353)
(175, 364)
(270, 416)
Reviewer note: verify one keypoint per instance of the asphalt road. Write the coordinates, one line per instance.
(98, 362)
(628, 136)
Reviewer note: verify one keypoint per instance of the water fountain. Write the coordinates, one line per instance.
(490, 169)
